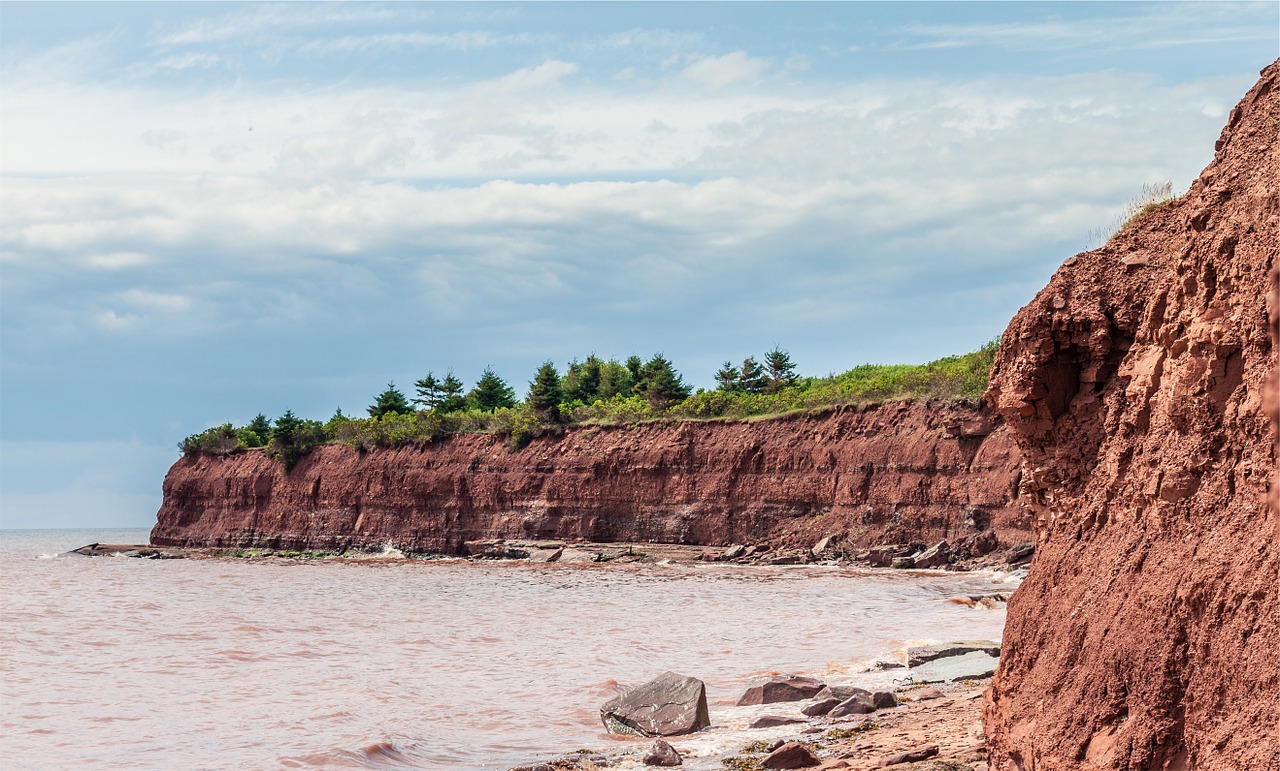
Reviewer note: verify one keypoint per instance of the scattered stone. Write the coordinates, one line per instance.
(779, 688)
(884, 699)
(883, 665)
(545, 555)
(786, 559)
(927, 694)
(903, 563)
(840, 692)
(667, 705)
(819, 708)
(734, 552)
(662, 754)
(1022, 551)
(979, 544)
(857, 704)
(791, 755)
(920, 654)
(825, 545)
(910, 756)
(971, 666)
(578, 555)
(883, 556)
(772, 721)
(935, 556)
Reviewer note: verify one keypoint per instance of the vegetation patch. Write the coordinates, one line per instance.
(595, 392)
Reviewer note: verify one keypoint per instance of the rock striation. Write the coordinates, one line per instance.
(1145, 635)
(898, 472)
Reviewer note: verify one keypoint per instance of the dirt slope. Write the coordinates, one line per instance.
(1147, 635)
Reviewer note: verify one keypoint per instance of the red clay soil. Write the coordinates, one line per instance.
(896, 472)
(1147, 635)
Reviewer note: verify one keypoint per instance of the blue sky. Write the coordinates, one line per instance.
(213, 210)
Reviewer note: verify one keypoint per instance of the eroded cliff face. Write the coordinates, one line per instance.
(896, 472)
(1146, 635)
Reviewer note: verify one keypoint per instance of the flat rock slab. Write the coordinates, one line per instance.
(771, 721)
(923, 654)
(780, 688)
(971, 666)
(667, 705)
(791, 755)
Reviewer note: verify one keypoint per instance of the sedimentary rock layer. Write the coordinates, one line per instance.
(1146, 635)
(896, 472)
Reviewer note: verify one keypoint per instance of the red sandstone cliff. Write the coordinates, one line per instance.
(903, 471)
(1147, 635)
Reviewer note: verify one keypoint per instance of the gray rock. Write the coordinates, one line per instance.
(910, 756)
(935, 556)
(858, 704)
(667, 705)
(1022, 551)
(734, 552)
(971, 666)
(920, 654)
(772, 690)
(840, 692)
(884, 699)
(821, 707)
(662, 754)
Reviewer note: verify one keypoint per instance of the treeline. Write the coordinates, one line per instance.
(595, 391)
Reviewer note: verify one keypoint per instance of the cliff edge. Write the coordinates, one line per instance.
(907, 471)
(1136, 385)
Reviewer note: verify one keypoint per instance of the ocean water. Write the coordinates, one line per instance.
(389, 664)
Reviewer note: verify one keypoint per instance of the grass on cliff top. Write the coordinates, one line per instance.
(952, 377)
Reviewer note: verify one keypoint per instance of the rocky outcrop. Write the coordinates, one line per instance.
(668, 705)
(897, 472)
(1145, 636)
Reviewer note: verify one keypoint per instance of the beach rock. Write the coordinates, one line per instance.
(840, 692)
(934, 557)
(883, 556)
(785, 559)
(771, 721)
(927, 694)
(668, 705)
(791, 755)
(734, 552)
(921, 654)
(779, 688)
(978, 544)
(820, 707)
(570, 554)
(884, 699)
(971, 666)
(858, 704)
(883, 665)
(823, 546)
(910, 756)
(1022, 551)
(662, 754)
(545, 555)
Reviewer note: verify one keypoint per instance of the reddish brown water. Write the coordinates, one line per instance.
(115, 662)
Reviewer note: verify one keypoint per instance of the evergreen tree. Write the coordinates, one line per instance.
(615, 380)
(753, 378)
(634, 365)
(729, 378)
(491, 392)
(261, 428)
(451, 398)
(660, 384)
(782, 372)
(545, 393)
(582, 381)
(390, 400)
(430, 392)
(286, 424)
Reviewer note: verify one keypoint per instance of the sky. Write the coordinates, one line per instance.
(213, 210)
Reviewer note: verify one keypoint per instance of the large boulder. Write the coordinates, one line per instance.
(771, 690)
(791, 755)
(922, 654)
(667, 705)
(858, 704)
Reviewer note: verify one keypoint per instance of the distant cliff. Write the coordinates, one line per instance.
(1146, 635)
(907, 471)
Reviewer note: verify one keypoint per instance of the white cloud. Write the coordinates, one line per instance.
(717, 72)
(117, 260)
(546, 74)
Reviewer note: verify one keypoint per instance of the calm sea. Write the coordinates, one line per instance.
(237, 664)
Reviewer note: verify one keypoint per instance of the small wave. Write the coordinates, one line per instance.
(47, 557)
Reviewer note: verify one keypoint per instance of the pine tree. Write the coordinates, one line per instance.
(753, 378)
(451, 398)
(615, 380)
(261, 427)
(491, 392)
(660, 384)
(582, 382)
(728, 378)
(634, 365)
(429, 391)
(782, 372)
(545, 393)
(286, 424)
(390, 400)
